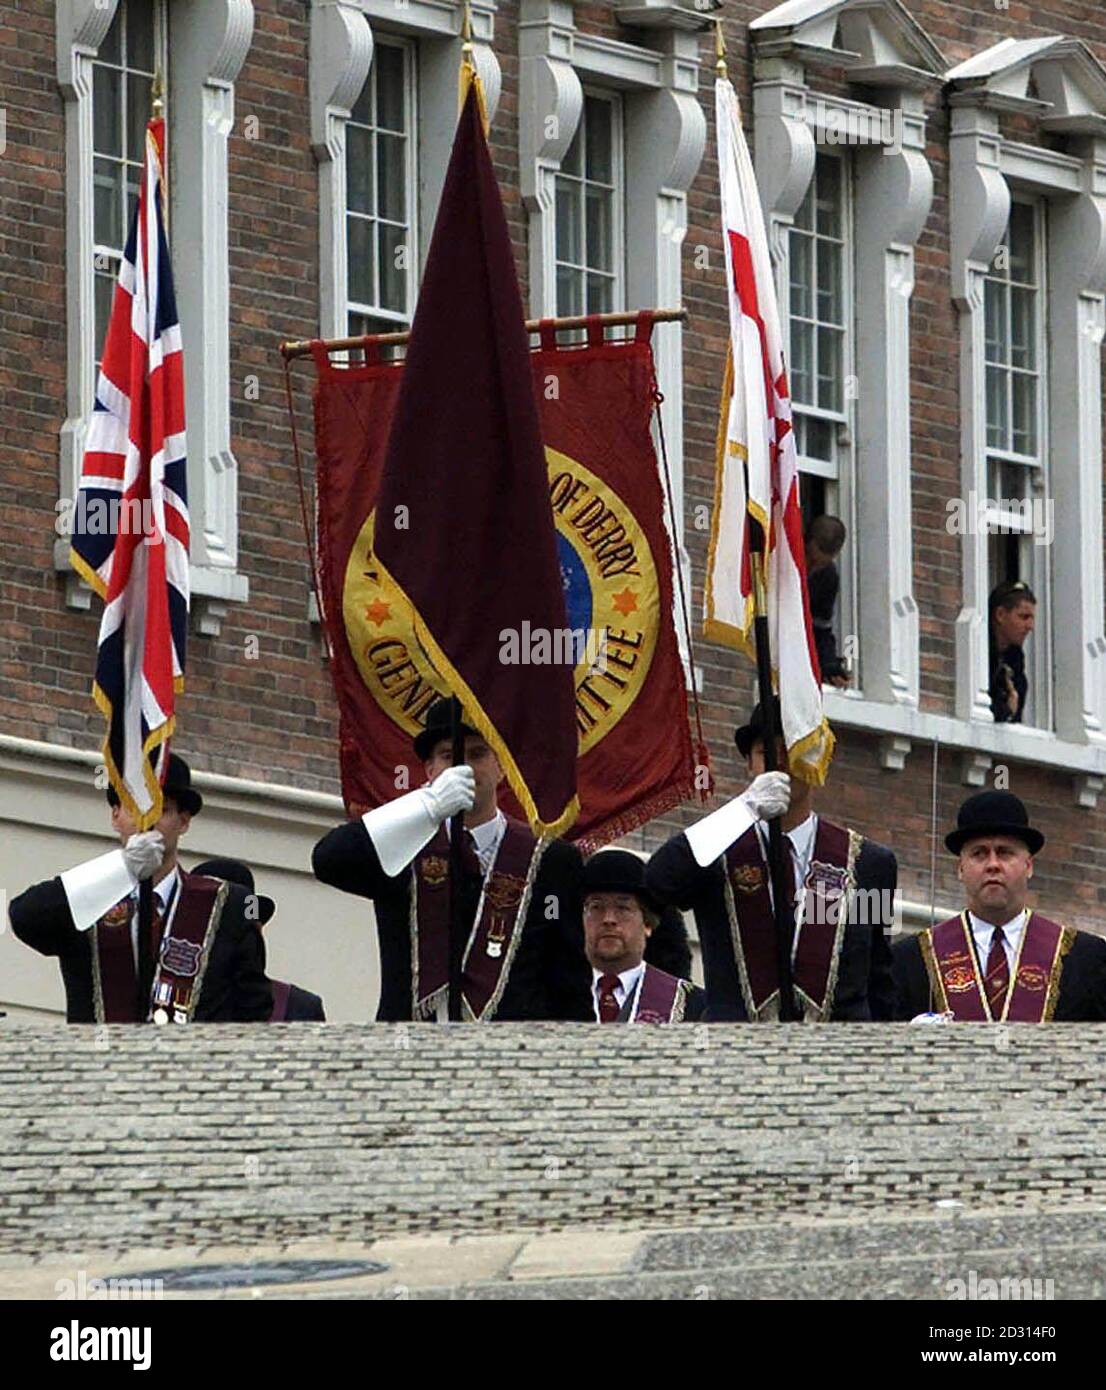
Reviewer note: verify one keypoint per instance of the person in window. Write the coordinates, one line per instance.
(824, 540)
(1013, 611)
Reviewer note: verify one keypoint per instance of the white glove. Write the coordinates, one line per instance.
(143, 853)
(451, 791)
(768, 795)
(400, 828)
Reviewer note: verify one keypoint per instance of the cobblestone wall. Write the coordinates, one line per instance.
(111, 1138)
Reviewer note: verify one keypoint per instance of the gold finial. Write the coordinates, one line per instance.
(157, 96)
(719, 48)
(466, 27)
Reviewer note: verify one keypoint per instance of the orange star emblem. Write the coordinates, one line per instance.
(378, 611)
(625, 602)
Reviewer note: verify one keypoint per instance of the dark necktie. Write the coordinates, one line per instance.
(608, 1004)
(469, 857)
(997, 981)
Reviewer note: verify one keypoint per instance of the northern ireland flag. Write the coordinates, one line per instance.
(756, 468)
(130, 518)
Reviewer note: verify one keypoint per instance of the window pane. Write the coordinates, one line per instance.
(802, 364)
(140, 35)
(599, 139)
(995, 330)
(802, 273)
(107, 114)
(389, 87)
(1023, 336)
(359, 169)
(600, 229)
(817, 438)
(829, 282)
(362, 111)
(998, 423)
(359, 237)
(138, 113)
(393, 269)
(1022, 240)
(572, 164)
(600, 294)
(570, 291)
(568, 222)
(830, 383)
(391, 173)
(804, 218)
(108, 51)
(828, 187)
(1025, 414)
(107, 200)
(105, 292)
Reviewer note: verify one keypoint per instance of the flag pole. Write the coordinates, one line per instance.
(456, 875)
(779, 866)
(145, 970)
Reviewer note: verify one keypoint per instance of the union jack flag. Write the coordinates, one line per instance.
(130, 522)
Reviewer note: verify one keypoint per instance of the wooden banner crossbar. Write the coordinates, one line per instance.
(305, 346)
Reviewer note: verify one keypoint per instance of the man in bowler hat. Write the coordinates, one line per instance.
(620, 917)
(524, 955)
(843, 904)
(206, 957)
(999, 961)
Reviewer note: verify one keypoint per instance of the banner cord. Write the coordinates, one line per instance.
(312, 555)
(658, 400)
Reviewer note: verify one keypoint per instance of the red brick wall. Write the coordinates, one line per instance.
(273, 718)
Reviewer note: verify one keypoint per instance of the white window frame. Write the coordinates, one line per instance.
(987, 171)
(839, 474)
(208, 40)
(340, 58)
(615, 101)
(1032, 558)
(409, 49)
(161, 65)
(664, 135)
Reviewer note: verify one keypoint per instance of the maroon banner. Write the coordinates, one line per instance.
(635, 756)
(463, 539)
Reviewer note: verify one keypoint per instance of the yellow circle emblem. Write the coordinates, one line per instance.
(611, 601)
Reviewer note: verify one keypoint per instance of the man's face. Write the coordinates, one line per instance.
(995, 871)
(755, 761)
(480, 758)
(173, 824)
(1013, 625)
(615, 931)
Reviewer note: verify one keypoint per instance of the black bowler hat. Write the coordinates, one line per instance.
(234, 871)
(756, 731)
(993, 813)
(439, 725)
(618, 871)
(178, 785)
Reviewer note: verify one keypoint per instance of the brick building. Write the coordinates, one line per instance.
(934, 176)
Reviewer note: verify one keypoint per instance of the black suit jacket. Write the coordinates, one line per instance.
(865, 990)
(234, 988)
(299, 1005)
(1081, 997)
(550, 976)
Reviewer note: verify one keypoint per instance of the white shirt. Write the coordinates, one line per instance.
(486, 837)
(628, 981)
(801, 841)
(166, 893)
(983, 934)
